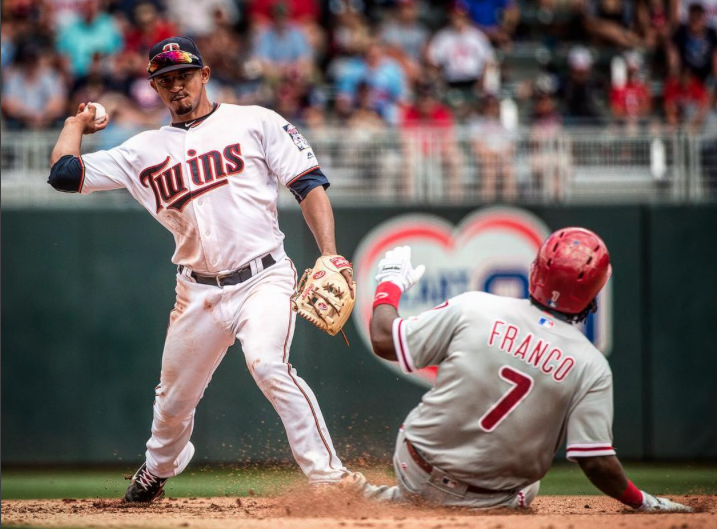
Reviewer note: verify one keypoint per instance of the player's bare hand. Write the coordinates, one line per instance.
(87, 117)
(349, 281)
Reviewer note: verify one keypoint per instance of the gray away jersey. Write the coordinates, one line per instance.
(512, 382)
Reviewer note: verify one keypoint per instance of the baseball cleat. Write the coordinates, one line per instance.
(352, 482)
(145, 487)
(356, 483)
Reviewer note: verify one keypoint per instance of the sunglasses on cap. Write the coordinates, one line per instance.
(171, 58)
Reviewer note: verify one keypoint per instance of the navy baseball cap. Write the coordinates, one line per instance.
(173, 53)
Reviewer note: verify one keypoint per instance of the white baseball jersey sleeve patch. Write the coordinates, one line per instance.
(296, 137)
(214, 185)
(288, 154)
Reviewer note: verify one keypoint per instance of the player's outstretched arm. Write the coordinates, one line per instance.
(606, 473)
(319, 216)
(395, 276)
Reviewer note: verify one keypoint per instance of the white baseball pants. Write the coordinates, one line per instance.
(205, 321)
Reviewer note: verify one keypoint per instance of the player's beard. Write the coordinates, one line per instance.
(185, 106)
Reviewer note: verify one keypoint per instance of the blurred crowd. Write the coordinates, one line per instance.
(373, 65)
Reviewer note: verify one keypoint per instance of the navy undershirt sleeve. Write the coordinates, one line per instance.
(301, 187)
(66, 174)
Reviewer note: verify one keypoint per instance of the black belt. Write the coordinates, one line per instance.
(230, 278)
(428, 468)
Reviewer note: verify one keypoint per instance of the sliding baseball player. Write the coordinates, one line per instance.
(515, 378)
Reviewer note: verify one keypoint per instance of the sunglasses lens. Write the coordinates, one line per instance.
(168, 58)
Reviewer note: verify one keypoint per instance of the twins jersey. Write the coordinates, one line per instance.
(512, 382)
(213, 184)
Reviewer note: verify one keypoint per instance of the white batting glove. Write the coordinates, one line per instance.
(652, 503)
(396, 267)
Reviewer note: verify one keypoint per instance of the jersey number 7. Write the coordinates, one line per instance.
(522, 384)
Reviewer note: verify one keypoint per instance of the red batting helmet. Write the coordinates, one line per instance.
(572, 266)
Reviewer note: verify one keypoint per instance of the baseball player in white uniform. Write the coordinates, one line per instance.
(515, 378)
(212, 178)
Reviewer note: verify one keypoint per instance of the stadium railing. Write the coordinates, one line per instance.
(469, 165)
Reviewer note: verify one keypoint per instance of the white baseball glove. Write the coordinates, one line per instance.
(396, 267)
(652, 503)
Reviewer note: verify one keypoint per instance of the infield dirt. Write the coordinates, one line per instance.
(304, 510)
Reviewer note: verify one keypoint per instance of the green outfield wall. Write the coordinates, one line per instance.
(85, 303)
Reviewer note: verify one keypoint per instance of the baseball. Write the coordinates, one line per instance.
(100, 112)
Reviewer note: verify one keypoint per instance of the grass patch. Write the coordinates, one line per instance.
(110, 483)
(563, 479)
(660, 478)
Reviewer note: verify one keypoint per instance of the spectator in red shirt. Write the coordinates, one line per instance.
(427, 112)
(631, 102)
(300, 11)
(148, 28)
(428, 139)
(686, 100)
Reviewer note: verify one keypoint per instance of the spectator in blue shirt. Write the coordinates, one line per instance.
(694, 45)
(283, 49)
(93, 32)
(405, 31)
(33, 93)
(382, 75)
(496, 18)
(8, 44)
(406, 37)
